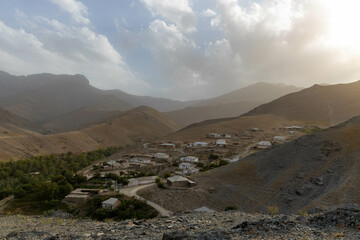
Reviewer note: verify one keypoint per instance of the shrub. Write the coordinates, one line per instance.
(273, 210)
(230, 208)
(167, 175)
(302, 213)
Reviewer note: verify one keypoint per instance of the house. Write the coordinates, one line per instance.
(141, 181)
(199, 144)
(220, 143)
(80, 195)
(111, 203)
(179, 181)
(161, 156)
(185, 165)
(189, 159)
(167, 145)
(279, 139)
(293, 128)
(190, 170)
(263, 144)
(255, 129)
(140, 160)
(227, 135)
(214, 135)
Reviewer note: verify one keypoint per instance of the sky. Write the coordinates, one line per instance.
(183, 49)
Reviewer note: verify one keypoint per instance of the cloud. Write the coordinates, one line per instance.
(269, 40)
(77, 10)
(57, 48)
(208, 13)
(178, 12)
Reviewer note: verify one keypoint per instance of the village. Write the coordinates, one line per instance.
(172, 164)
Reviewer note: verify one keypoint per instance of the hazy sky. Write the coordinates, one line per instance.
(183, 49)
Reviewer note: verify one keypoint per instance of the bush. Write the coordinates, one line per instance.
(213, 156)
(273, 210)
(230, 208)
(167, 175)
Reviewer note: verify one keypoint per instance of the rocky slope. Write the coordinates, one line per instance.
(317, 170)
(341, 223)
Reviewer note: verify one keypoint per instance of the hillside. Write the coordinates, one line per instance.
(333, 104)
(141, 123)
(238, 125)
(232, 104)
(316, 170)
(44, 97)
(10, 122)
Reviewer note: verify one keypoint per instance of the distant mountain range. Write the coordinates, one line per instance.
(232, 104)
(327, 103)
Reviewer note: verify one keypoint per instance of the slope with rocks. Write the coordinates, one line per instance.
(231, 104)
(342, 224)
(316, 170)
(332, 103)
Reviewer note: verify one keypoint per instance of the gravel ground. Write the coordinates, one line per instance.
(338, 224)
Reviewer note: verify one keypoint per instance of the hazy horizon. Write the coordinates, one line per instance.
(186, 49)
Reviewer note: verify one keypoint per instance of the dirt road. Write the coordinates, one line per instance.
(131, 192)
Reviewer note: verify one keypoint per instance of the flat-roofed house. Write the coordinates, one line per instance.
(179, 181)
(199, 144)
(279, 139)
(141, 181)
(263, 144)
(189, 159)
(80, 195)
(167, 145)
(221, 143)
(111, 203)
(214, 135)
(161, 156)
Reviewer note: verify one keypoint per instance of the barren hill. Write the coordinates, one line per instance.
(238, 125)
(231, 104)
(316, 170)
(44, 97)
(141, 123)
(332, 104)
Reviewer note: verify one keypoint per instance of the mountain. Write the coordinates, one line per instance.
(142, 123)
(43, 97)
(317, 170)
(160, 104)
(332, 104)
(11, 122)
(232, 104)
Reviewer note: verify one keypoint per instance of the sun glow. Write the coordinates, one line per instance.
(344, 19)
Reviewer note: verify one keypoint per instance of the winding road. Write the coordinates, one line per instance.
(131, 192)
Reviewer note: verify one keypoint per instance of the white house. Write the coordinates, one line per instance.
(214, 135)
(221, 143)
(167, 145)
(185, 165)
(141, 181)
(255, 129)
(199, 144)
(161, 156)
(293, 128)
(227, 135)
(111, 203)
(263, 144)
(189, 171)
(140, 160)
(279, 139)
(189, 159)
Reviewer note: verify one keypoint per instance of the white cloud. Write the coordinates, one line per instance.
(77, 10)
(59, 49)
(208, 13)
(178, 12)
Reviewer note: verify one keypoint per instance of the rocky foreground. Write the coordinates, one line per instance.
(337, 224)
